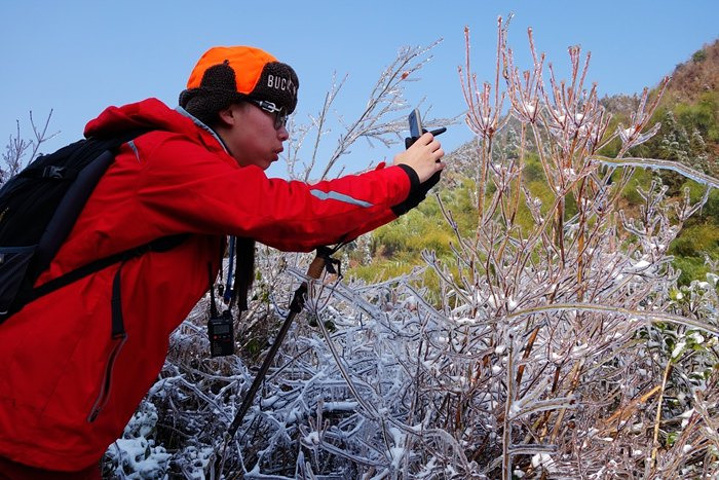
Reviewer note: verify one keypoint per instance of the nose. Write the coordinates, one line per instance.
(282, 133)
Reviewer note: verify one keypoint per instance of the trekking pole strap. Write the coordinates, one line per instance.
(229, 293)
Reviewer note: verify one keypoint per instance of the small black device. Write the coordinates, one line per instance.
(416, 130)
(415, 124)
(221, 333)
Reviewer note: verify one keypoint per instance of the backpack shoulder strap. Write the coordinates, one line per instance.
(77, 195)
(161, 244)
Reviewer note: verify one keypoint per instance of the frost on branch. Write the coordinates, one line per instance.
(16, 157)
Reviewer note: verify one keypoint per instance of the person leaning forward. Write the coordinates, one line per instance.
(67, 386)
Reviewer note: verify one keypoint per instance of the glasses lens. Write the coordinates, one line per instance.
(280, 120)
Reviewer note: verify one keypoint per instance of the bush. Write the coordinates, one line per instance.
(702, 116)
(699, 56)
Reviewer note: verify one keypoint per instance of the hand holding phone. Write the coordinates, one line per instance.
(428, 173)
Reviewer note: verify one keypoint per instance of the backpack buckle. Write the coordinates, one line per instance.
(53, 171)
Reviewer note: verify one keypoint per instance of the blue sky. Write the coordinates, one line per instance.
(77, 57)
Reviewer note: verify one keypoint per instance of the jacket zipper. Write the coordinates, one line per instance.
(104, 395)
(119, 337)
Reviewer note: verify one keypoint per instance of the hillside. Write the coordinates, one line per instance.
(546, 339)
(693, 98)
(688, 113)
(696, 76)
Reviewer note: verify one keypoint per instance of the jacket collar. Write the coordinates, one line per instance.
(200, 124)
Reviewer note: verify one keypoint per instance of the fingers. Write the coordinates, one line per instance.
(436, 148)
(424, 156)
(426, 139)
(435, 153)
(431, 143)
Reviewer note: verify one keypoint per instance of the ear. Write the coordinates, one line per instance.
(228, 116)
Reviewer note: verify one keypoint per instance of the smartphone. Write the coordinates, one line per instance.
(415, 124)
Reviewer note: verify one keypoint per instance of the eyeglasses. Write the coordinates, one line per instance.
(271, 108)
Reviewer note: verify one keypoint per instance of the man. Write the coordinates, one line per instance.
(75, 364)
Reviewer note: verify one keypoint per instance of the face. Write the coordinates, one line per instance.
(250, 135)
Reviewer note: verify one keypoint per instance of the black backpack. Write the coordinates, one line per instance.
(38, 209)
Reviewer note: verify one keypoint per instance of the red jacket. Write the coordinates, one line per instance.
(67, 388)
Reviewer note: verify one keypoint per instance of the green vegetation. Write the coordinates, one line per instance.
(396, 248)
(699, 56)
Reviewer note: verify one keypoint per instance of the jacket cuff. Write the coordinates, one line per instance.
(415, 195)
(413, 177)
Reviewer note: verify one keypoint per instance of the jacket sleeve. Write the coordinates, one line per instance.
(185, 187)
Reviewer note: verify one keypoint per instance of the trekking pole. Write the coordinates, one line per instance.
(321, 261)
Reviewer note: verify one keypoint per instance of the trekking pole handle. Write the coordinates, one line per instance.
(314, 271)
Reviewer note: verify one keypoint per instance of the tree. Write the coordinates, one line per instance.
(17, 148)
